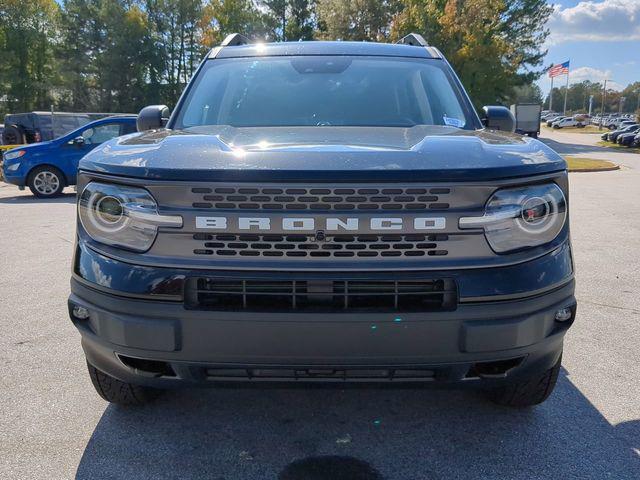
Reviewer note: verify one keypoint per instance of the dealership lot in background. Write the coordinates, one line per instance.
(53, 425)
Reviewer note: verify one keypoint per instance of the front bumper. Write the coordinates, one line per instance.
(160, 343)
(13, 180)
(9, 173)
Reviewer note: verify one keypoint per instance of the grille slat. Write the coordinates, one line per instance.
(305, 246)
(319, 295)
(325, 199)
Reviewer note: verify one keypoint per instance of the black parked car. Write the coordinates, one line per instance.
(626, 139)
(613, 136)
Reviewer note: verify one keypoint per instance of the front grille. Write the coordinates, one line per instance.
(331, 199)
(321, 295)
(277, 246)
(331, 246)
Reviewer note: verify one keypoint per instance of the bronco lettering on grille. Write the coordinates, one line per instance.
(327, 224)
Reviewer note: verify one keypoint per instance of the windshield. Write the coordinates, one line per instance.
(324, 91)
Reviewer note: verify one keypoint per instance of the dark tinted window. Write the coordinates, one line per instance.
(64, 123)
(324, 90)
(128, 128)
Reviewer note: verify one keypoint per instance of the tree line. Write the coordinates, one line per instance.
(579, 94)
(119, 55)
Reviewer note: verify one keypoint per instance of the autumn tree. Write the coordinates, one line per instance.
(494, 45)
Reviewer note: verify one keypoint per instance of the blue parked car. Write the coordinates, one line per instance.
(47, 167)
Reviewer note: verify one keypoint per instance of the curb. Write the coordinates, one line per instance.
(601, 169)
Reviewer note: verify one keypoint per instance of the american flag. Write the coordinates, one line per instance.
(560, 69)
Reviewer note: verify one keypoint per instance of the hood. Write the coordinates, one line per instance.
(32, 147)
(421, 153)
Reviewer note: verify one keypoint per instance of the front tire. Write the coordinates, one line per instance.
(119, 392)
(528, 392)
(46, 181)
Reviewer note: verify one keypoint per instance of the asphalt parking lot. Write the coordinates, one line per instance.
(54, 426)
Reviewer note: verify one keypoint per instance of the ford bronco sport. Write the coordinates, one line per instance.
(323, 212)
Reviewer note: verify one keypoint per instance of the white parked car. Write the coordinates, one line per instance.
(568, 122)
(613, 122)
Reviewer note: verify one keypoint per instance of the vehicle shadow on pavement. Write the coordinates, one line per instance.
(16, 199)
(573, 148)
(364, 433)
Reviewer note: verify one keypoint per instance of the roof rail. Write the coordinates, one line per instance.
(234, 39)
(413, 39)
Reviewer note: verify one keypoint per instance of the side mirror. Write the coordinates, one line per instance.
(78, 141)
(152, 117)
(498, 118)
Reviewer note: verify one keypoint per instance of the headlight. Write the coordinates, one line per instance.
(122, 216)
(523, 217)
(12, 154)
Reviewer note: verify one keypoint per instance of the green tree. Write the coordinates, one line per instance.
(27, 69)
(173, 45)
(301, 20)
(355, 19)
(122, 74)
(277, 17)
(222, 17)
(290, 19)
(82, 33)
(529, 93)
(632, 96)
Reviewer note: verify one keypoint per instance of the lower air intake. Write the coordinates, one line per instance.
(321, 295)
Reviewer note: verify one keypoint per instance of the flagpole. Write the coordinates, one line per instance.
(551, 96)
(566, 91)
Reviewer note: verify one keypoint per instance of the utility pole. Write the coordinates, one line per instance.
(590, 104)
(604, 94)
(622, 99)
(566, 91)
(53, 125)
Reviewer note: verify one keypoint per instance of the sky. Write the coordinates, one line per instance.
(601, 38)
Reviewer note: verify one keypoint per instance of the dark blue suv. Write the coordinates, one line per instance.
(47, 167)
(323, 212)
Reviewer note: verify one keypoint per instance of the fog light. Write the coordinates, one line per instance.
(563, 315)
(80, 313)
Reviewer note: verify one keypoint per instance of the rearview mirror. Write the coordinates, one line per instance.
(498, 118)
(152, 117)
